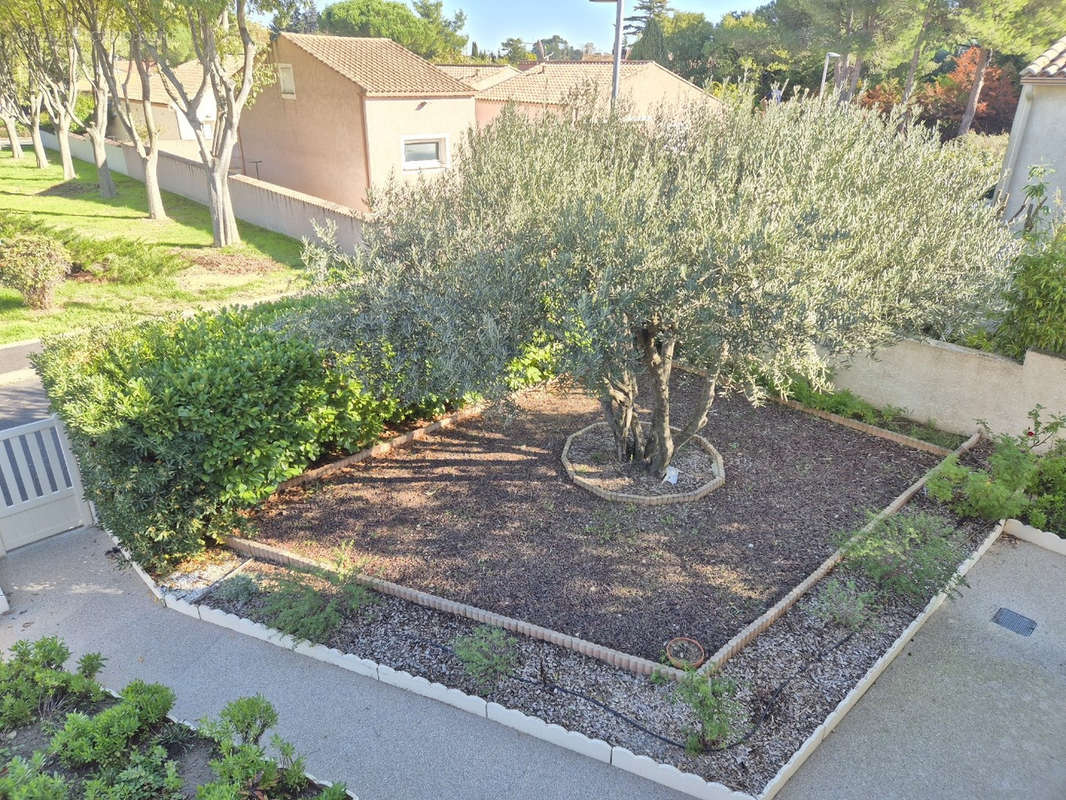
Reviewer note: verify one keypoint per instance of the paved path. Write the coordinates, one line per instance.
(970, 711)
(22, 398)
(383, 742)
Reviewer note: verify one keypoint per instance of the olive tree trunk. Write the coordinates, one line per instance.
(97, 131)
(223, 222)
(63, 135)
(652, 445)
(150, 160)
(13, 137)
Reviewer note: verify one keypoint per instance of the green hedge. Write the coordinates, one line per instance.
(179, 424)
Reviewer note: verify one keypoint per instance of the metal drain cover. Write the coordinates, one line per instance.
(1013, 621)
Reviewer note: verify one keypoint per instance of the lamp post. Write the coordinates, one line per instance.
(617, 48)
(825, 69)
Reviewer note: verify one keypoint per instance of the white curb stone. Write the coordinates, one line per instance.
(1035, 536)
(559, 736)
(672, 777)
(182, 607)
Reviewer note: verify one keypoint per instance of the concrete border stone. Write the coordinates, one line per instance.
(549, 732)
(671, 776)
(1035, 536)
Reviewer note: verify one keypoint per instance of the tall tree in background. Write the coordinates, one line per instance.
(1020, 27)
(300, 17)
(425, 31)
(514, 51)
(44, 33)
(651, 46)
(927, 28)
(643, 12)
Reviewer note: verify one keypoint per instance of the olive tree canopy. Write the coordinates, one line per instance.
(754, 244)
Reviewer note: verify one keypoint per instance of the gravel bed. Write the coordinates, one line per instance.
(818, 662)
(189, 579)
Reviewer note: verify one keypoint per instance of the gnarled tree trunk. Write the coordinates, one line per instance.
(975, 92)
(98, 136)
(35, 132)
(150, 160)
(223, 222)
(652, 447)
(63, 135)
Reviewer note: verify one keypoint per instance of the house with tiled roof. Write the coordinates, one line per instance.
(644, 89)
(1036, 137)
(347, 113)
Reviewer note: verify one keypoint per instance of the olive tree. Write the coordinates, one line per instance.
(754, 244)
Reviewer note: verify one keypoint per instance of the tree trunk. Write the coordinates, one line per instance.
(97, 135)
(975, 92)
(13, 137)
(853, 78)
(63, 135)
(151, 185)
(223, 222)
(35, 134)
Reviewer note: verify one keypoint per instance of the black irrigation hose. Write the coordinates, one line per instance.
(767, 708)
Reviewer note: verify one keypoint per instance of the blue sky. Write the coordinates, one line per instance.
(489, 22)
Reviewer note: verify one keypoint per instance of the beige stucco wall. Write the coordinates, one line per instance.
(956, 386)
(390, 120)
(1036, 138)
(313, 142)
(163, 114)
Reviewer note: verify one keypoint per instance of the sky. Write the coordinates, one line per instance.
(489, 22)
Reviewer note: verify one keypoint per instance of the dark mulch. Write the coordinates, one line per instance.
(484, 514)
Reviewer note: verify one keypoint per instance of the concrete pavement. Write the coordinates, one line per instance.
(971, 710)
(22, 398)
(383, 742)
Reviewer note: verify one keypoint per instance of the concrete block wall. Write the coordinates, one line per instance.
(267, 205)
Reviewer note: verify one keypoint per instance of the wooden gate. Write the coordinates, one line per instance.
(40, 487)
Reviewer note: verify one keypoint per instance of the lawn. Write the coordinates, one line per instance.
(265, 265)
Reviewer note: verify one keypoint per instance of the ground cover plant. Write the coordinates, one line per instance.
(717, 243)
(483, 513)
(140, 277)
(89, 746)
(1023, 477)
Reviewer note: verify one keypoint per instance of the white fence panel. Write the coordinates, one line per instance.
(40, 487)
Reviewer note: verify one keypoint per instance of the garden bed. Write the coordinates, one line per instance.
(484, 514)
(787, 681)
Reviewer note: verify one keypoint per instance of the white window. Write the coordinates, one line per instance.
(425, 152)
(286, 81)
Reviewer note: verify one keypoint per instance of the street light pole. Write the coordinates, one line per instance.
(825, 70)
(617, 48)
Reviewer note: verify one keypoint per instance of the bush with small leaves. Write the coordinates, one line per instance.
(243, 721)
(147, 776)
(22, 779)
(842, 602)
(911, 556)
(314, 613)
(34, 266)
(239, 590)
(711, 701)
(488, 654)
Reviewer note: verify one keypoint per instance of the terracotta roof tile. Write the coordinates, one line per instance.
(190, 74)
(1050, 64)
(380, 67)
(480, 76)
(556, 83)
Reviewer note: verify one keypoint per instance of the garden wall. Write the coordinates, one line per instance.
(955, 386)
(267, 205)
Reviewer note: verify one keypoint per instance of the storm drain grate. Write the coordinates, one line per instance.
(1013, 621)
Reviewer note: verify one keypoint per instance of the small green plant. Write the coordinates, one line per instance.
(910, 556)
(147, 776)
(239, 590)
(22, 779)
(244, 721)
(488, 655)
(34, 266)
(711, 699)
(1021, 481)
(32, 680)
(103, 739)
(842, 603)
(659, 678)
(314, 613)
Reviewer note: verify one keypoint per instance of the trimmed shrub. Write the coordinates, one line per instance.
(32, 678)
(1036, 315)
(34, 266)
(178, 424)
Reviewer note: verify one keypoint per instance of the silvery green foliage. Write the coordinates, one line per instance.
(758, 243)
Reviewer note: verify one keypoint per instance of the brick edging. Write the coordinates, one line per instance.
(616, 658)
(640, 499)
(778, 609)
(816, 737)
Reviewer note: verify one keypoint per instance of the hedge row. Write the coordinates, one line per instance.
(179, 424)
